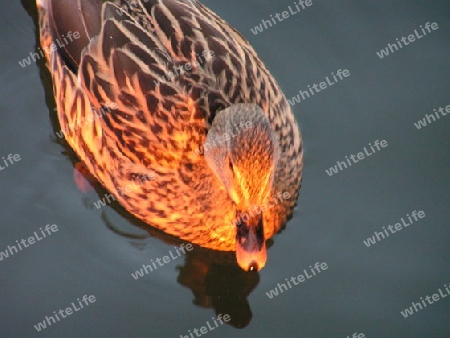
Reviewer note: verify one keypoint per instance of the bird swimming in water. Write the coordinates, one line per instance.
(195, 136)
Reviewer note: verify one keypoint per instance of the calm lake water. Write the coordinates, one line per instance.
(364, 288)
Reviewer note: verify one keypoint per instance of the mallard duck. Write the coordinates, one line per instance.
(195, 136)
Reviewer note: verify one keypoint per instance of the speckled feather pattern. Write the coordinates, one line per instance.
(159, 123)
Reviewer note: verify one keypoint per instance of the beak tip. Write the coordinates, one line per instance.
(253, 266)
(251, 261)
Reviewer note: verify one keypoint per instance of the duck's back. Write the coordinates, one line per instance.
(161, 69)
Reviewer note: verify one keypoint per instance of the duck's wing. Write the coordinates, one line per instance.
(235, 74)
(131, 60)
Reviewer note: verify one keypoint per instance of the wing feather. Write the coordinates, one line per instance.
(171, 66)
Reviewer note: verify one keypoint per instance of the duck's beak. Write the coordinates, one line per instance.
(251, 251)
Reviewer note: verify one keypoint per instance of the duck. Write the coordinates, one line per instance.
(195, 136)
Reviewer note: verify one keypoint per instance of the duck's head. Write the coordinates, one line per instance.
(242, 150)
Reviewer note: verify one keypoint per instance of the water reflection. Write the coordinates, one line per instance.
(218, 282)
(215, 279)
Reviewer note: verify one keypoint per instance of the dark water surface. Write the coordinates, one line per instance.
(94, 251)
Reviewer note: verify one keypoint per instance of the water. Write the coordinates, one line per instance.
(94, 251)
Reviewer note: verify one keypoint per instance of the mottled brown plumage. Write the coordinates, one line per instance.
(165, 72)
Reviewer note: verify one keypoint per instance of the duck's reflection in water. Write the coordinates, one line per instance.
(218, 282)
(214, 277)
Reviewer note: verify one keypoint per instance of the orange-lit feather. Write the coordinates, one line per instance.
(156, 125)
